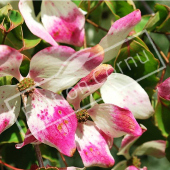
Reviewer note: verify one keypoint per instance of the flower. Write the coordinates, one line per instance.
(62, 21)
(154, 148)
(93, 139)
(49, 116)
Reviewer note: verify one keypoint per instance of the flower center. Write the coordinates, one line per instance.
(82, 115)
(25, 84)
(135, 161)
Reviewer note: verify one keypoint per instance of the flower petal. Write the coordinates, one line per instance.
(153, 148)
(123, 91)
(29, 138)
(10, 61)
(114, 121)
(118, 33)
(164, 89)
(58, 68)
(9, 106)
(134, 168)
(120, 166)
(89, 84)
(71, 168)
(27, 10)
(127, 142)
(64, 21)
(55, 120)
(92, 146)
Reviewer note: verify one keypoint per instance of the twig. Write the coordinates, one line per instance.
(9, 166)
(116, 147)
(39, 156)
(94, 24)
(64, 160)
(147, 7)
(94, 8)
(85, 42)
(37, 148)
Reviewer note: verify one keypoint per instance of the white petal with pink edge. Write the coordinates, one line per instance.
(127, 142)
(153, 148)
(118, 33)
(27, 10)
(55, 120)
(114, 121)
(89, 84)
(164, 89)
(63, 66)
(10, 61)
(29, 138)
(92, 146)
(9, 106)
(64, 21)
(123, 91)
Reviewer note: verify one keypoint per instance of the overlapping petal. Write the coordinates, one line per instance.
(89, 84)
(29, 138)
(52, 121)
(127, 142)
(64, 21)
(10, 61)
(9, 106)
(153, 148)
(125, 92)
(118, 33)
(61, 67)
(114, 121)
(27, 10)
(92, 146)
(164, 89)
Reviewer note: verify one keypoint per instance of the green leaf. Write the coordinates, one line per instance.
(50, 154)
(24, 68)
(167, 150)
(162, 118)
(5, 80)
(14, 134)
(136, 61)
(112, 6)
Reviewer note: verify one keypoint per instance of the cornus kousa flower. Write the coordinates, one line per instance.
(62, 21)
(153, 148)
(50, 118)
(93, 138)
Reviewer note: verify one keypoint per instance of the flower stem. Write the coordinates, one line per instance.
(39, 156)
(64, 160)
(4, 37)
(9, 166)
(94, 24)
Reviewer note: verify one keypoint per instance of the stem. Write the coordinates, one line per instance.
(98, 4)
(85, 42)
(9, 166)
(116, 147)
(39, 156)
(5, 35)
(147, 7)
(94, 24)
(37, 148)
(64, 160)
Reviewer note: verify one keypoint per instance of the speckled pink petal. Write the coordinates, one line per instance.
(118, 33)
(134, 168)
(64, 21)
(10, 102)
(89, 84)
(10, 61)
(58, 68)
(125, 92)
(114, 121)
(154, 148)
(27, 10)
(52, 121)
(164, 89)
(29, 138)
(92, 146)
(127, 142)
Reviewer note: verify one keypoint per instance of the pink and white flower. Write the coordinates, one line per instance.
(62, 21)
(50, 118)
